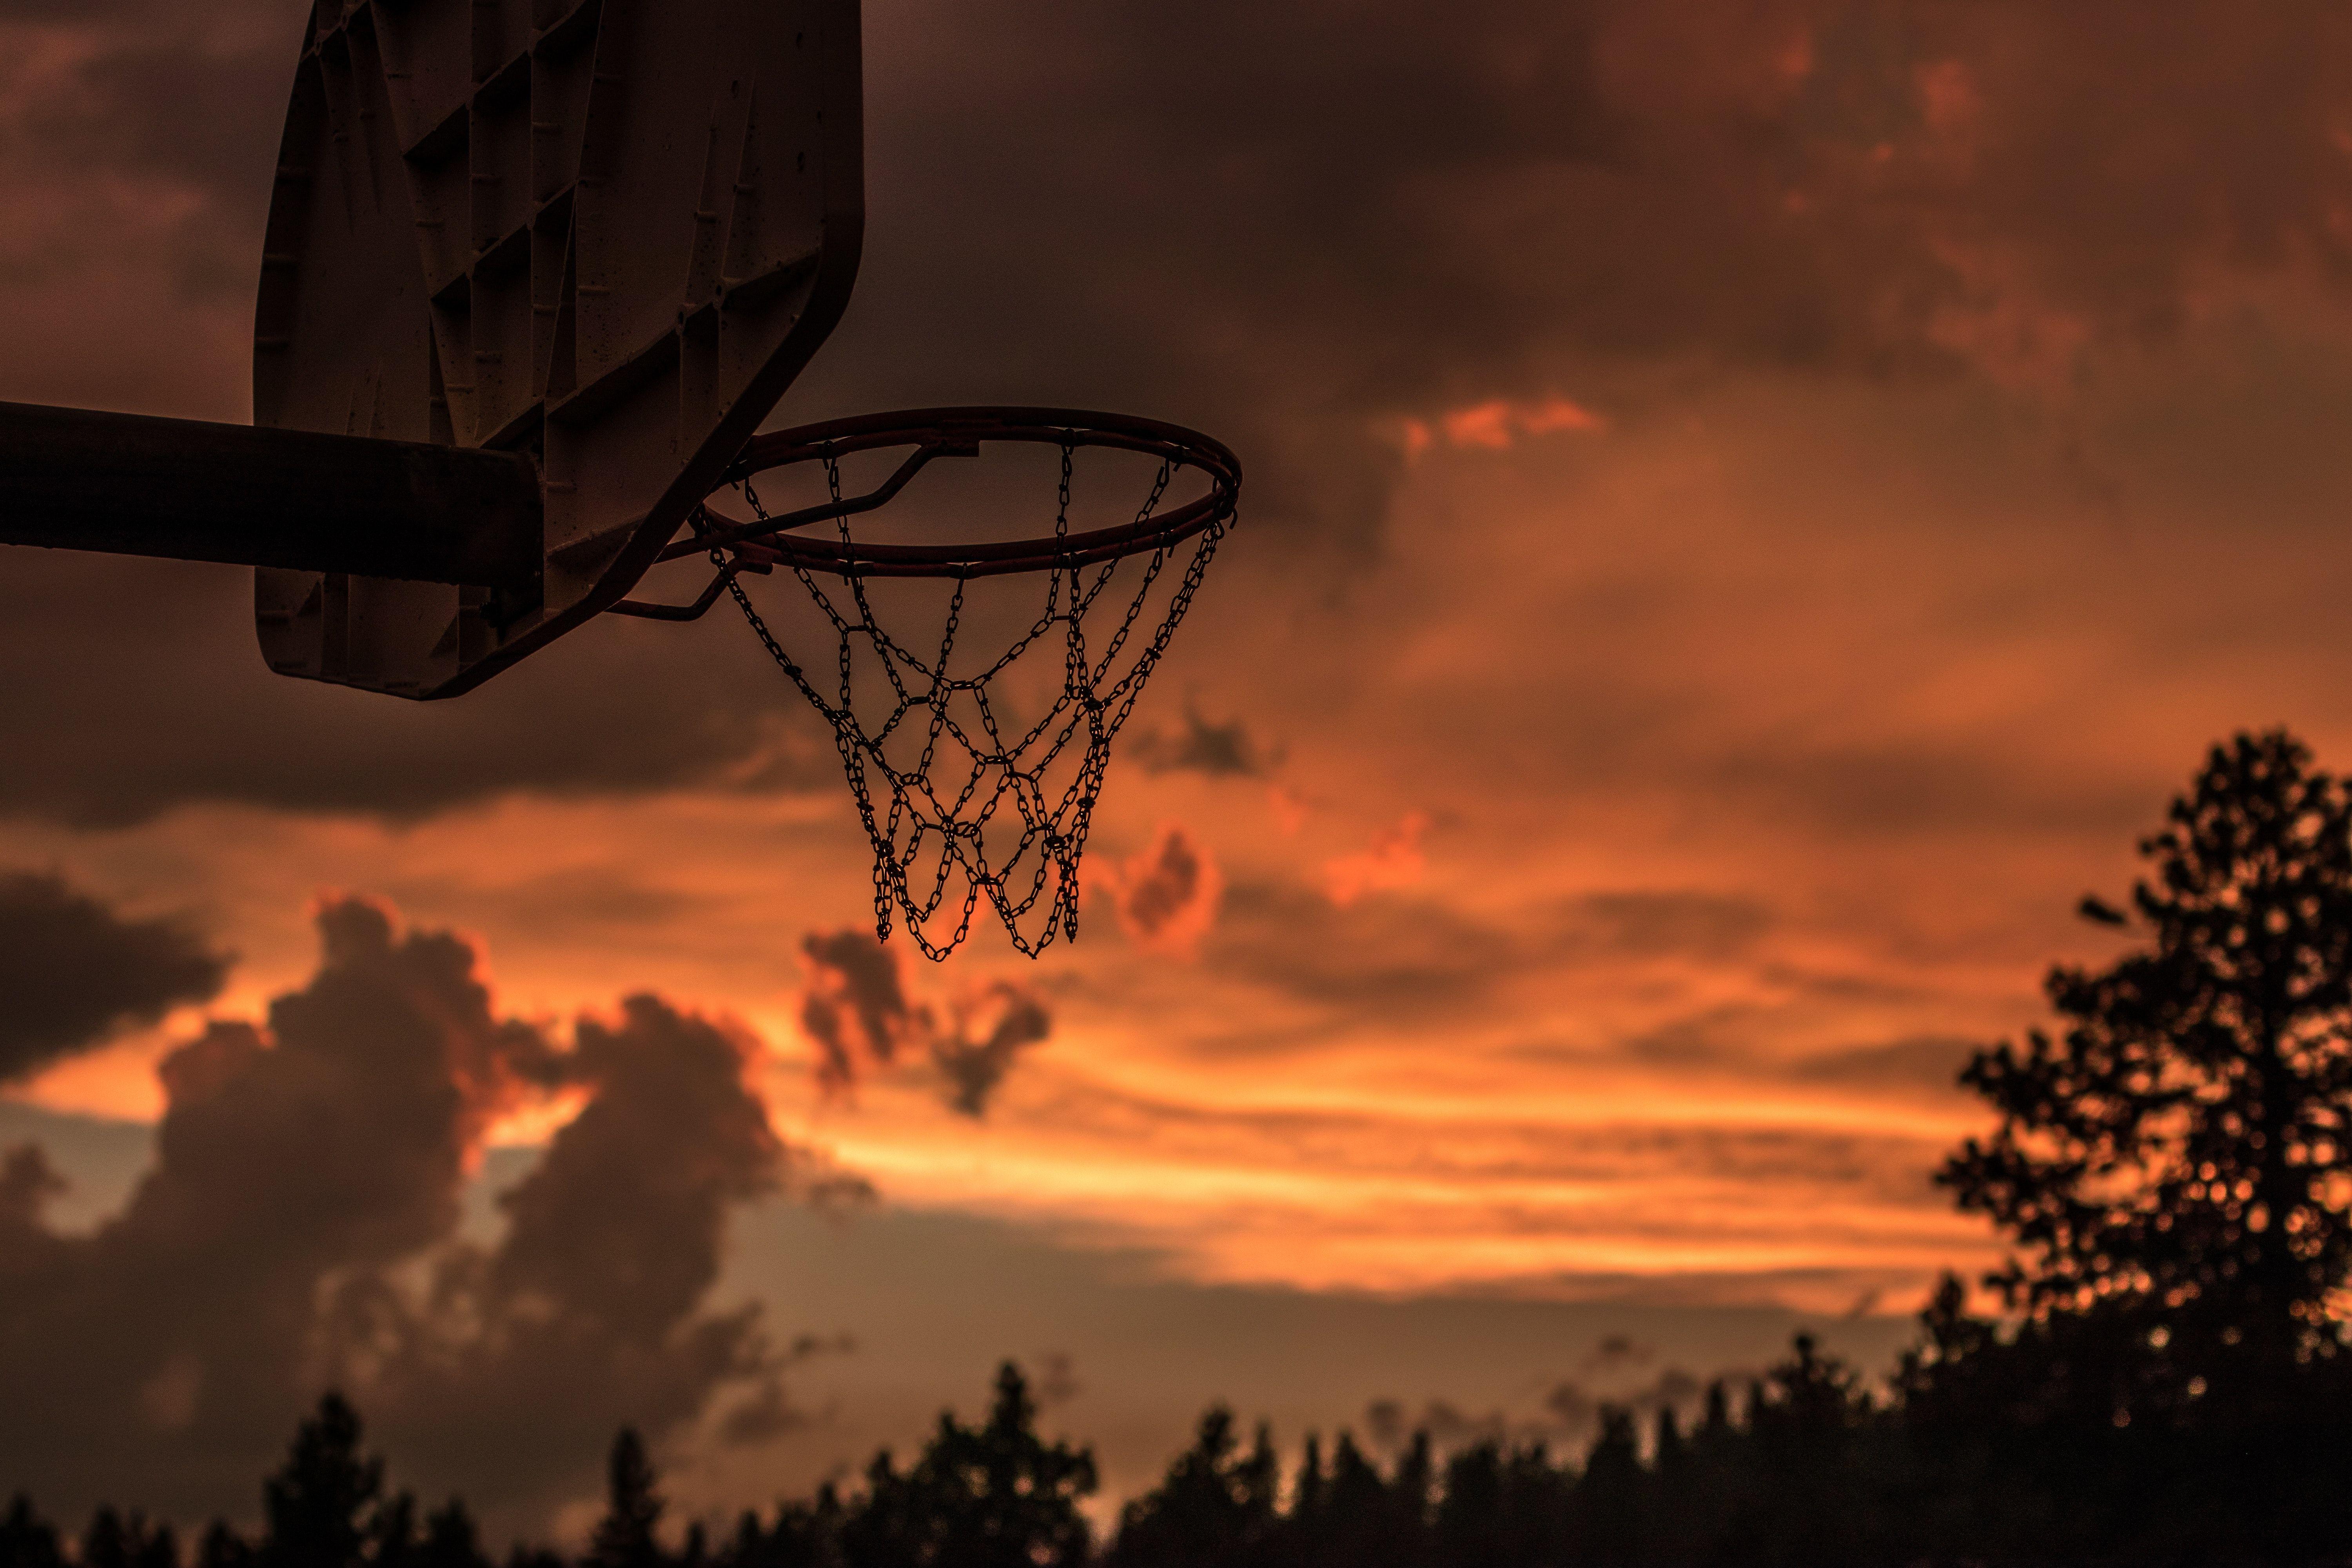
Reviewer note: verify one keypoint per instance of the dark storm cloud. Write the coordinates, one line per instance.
(988, 1034)
(192, 98)
(1219, 751)
(1295, 219)
(1291, 225)
(110, 730)
(857, 1010)
(612, 1245)
(299, 1230)
(73, 972)
(1166, 897)
(854, 1008)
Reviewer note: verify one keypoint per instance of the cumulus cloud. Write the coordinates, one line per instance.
(75, 972)
(299, 1229)
(857, 1010)
(1166, 896)
(613, 1244)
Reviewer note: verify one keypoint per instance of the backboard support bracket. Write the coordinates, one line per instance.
(302, 500)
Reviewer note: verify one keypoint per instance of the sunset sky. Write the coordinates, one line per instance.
(1752, 509)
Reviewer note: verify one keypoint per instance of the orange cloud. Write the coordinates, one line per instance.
(1394, 860)
(1495, 424)
(1554, 414)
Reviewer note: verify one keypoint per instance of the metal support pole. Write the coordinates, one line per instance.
(73, 479)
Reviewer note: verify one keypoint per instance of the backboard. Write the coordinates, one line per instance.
(603, 233)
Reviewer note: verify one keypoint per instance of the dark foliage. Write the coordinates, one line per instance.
(117, 1541)
(27, 1540)
(2178, 1154)
(1217, 1508)
(992, 1496)
(626, 1537)
(320, 1507)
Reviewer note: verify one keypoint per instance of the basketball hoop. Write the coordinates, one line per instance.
(961, 801)
(534, 275)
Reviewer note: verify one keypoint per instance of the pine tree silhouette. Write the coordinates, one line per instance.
(624, 1537)
(392, 1540)
(1216, 1508)
(127, 1541)
(1409, 1503)
(2173, 1166)
(992, 1496)
(2176, 1153)
(1609, 1506)
(451, 1540)
(222, 1547)
(804, 1536)
(319, 1504)
(1500, 1508)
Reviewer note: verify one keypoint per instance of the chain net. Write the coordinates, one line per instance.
(972, 815)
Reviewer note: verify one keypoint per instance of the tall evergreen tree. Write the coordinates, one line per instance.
(1215, 1508)
(2179, 1152)
(990, 1496)
(626, 1537)
(804, 1536)
(1609, 1499)
(1357, 1522)
(451, 1540)
(222, 1547)
(392, 1540)
(1409, 1503)
(127, 1540)
(319, 1505)
(1500, 1508)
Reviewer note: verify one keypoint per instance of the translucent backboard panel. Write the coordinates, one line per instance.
(606, 234)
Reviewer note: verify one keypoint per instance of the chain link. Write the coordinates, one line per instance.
(924, 843)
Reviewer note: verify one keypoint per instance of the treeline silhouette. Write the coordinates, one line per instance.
(2163, 1376)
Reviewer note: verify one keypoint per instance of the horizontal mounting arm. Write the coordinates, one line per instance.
(71, 479)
